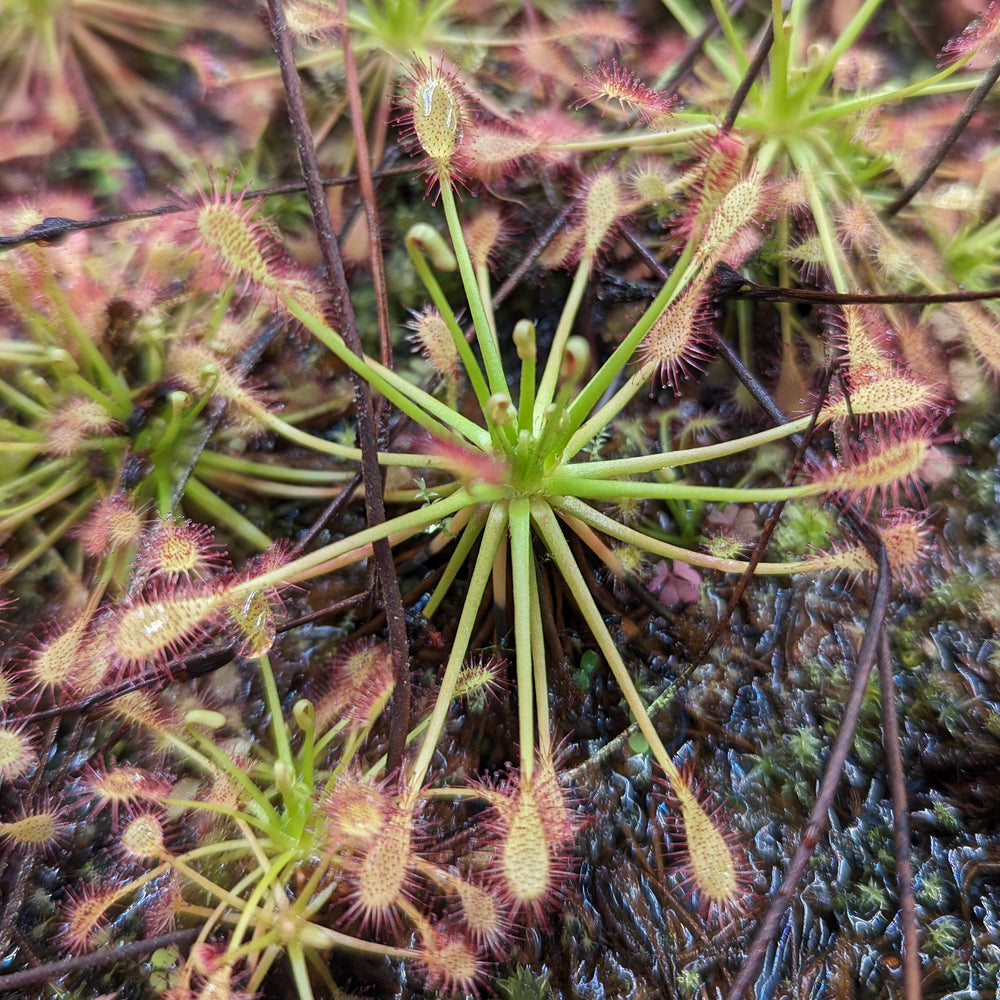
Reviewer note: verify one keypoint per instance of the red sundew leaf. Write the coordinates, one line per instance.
(611, 82)
(982, 31)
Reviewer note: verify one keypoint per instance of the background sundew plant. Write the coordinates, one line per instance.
(463, 465)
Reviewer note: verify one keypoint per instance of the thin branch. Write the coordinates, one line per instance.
(732, 285)
(216, 410)
(541, 242)
(343, 314)
(901, 821)
(186, 668)
(52, 971)
(528, 260)
(770, 925)
(971, 106)
(729, 278)
(56, 228)
(753, 70)
(767, 531)
(865, 533)
(196, 665)
(683, 66)
(367, 187)
(399, 712)
(331, 510)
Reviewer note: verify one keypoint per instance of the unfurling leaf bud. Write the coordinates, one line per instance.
(575, 361)
(304, 713)
(423, 238)
(500, 411)
(524, 340)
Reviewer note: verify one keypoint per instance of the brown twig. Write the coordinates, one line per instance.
(767, 531)
(901, 821)
(400, 709)
(679, 71)
(683, 66)
(753, 71)
(216, 409)
(367, 186)
(738, 287)
(196, 665)
(56, 228)
(974, 100)
(740, 370)
(343, 315)
(331, 510)
(107, 956)
(528, 260)
(770, 925)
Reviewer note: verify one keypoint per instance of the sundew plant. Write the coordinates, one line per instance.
(365, 815)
